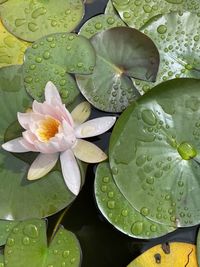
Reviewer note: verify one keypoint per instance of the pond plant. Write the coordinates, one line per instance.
(120, 89)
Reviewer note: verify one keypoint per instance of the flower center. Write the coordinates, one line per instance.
(48, 128)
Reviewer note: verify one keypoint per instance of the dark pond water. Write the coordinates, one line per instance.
(102, 245)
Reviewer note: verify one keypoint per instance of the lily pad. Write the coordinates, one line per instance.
(52, 58)
(11, 49)
(178, 41)
(30, 20)
(99, 23)
(136, 13)
(5, 229)
(168, 254)
(110, 10)
(122, 53)
(154, 153)
(27, 246)
(119, 212)
(19, 197)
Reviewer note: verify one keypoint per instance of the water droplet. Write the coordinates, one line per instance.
(46, 55)
(66, 253)
(38, 12)
(110, 194)
(153, 228)
(144, 211)
(111, 204)
(98, 26)
(162, 29)
(104, 188)
(149, 117)
(114, 170)
(19, 22)
(186, 151)
(106, 179)
(38, 59)
(124, 213)
(31, 231)
(10, 242)
(33, 26)
(137, 228)
(26, 240)
(141, 160)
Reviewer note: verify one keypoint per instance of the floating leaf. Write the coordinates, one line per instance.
(52, 58)
(98, 23)
(119, 212)
(137, 13)
(5, 229)
(27, 246)
(154, 153)
(19, 197)
(110, 8)
(178, 41)
(121, 53)
(168, 254)
(68, 247)
(30, 20)
(11, 49)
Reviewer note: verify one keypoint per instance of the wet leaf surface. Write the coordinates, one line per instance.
(30, 20)
(154, 153)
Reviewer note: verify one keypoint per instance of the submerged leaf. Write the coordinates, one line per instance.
(119, 212)
(168, 254)
(30, 20)
(154, 153)
(121, 53)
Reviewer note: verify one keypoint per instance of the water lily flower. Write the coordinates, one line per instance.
(51, 130)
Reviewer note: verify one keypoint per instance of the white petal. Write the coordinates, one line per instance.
(15, 145)
(94, 127)
(88, 152)
(42, 165)
(51, 93)
(70, 171)
(81, 112)
(24, 119)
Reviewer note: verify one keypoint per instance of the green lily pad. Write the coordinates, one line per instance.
(52, 58)
(19, 197)
(110, 10)
(30, 20)
(119, 212)
(99, 23)
(122, 53)
(136, 13)
(178, 41)
(27, 246)
(68, 247)
(11, 48)
(154, 153)
(5, 229)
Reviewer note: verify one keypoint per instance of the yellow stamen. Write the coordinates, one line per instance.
(48, 128)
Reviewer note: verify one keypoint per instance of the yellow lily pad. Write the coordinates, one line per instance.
(11, 48)
(175, 254)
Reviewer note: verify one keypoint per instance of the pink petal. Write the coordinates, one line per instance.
(88, 152)
(29, 137)
(81, 113)
(24, 119)
(15, 145)
(42, 165)
(70, 171)
(94, 127)
(51, 93)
